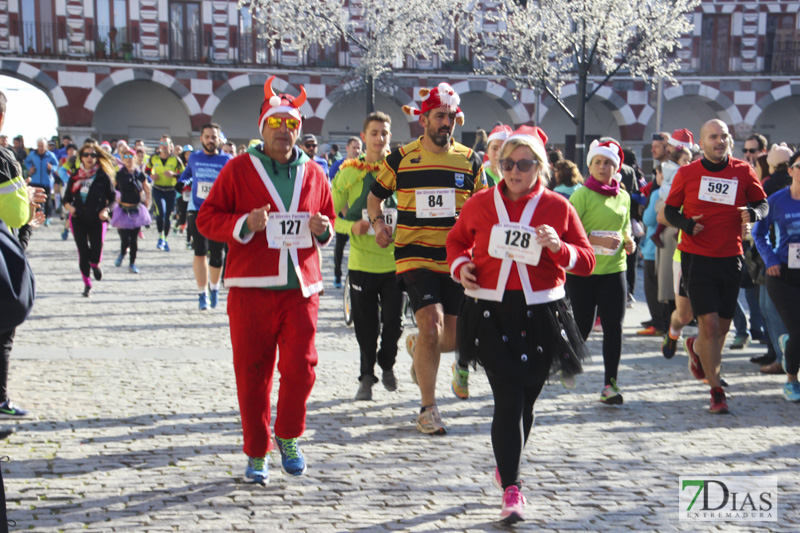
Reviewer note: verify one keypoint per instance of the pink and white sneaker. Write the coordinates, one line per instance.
(513, 506)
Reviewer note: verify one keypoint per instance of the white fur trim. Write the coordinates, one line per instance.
(237, 230)
(454, 267)
(538, 149)
(605, 151)
(573, 256)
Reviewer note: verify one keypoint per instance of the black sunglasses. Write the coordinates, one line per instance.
(523, 165)
(750, 150)
(91, 154)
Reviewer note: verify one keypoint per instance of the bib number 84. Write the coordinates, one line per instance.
(435, 200)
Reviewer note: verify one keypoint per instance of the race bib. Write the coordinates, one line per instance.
(389, 216)
(187, 196)
(794, 255)
(203, 188)
(289, 230)
(435, 203)
(515, 241)
(718, 190)
(600, 250)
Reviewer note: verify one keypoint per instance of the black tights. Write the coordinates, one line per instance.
(603, 295)
(512, 421)
(89, 237)
(129, 239)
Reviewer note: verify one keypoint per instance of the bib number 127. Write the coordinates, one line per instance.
(290, 227)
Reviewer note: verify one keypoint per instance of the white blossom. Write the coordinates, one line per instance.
(378, 35)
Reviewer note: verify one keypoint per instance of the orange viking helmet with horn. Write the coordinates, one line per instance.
(280, 103)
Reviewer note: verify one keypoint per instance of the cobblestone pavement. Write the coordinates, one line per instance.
(135, 426)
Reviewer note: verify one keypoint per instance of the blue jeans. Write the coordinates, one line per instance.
(772, 321)
(756, 320)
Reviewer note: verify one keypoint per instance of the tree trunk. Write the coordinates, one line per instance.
(370, 94)
(580, 135)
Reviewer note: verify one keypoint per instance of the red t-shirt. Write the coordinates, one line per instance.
(717, 196)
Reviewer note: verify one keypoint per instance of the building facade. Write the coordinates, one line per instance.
(140, 68)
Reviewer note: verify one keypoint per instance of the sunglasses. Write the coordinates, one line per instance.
(164, 144)
(91, 154)
(523, 165)
(749, 150)
(127, 156)
(796, 165)
(311, 146)
(275, 123)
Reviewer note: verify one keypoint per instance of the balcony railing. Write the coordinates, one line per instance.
(59, 40)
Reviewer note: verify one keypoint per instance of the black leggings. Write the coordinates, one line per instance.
(784, 291)
(338, 254)
(512, 420)
(128, 239)
(366, 292)
(6, 342)
(89, 237)
(604, 295)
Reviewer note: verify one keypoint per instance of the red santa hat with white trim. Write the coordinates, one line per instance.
(534, 136)
(280, 103)
(609, 149)
(443, 95)
(682, 137)
(500, 132)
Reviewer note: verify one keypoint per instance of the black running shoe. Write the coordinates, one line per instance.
(669, 346)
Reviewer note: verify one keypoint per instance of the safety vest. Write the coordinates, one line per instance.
(158, 168)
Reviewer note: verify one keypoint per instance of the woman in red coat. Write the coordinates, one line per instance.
(510, 249)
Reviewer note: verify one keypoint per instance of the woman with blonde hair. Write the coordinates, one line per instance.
(89, 198)
(510, 249)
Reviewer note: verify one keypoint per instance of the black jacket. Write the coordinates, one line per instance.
(101, 195)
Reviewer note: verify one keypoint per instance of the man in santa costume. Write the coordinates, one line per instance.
(273, 207)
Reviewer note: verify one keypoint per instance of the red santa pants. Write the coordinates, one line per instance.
(263, 321)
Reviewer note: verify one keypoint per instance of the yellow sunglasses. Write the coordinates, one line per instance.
(275, 123)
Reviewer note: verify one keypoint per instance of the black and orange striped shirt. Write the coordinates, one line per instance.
(420, 242)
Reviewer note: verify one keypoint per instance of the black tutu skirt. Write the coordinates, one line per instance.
(519, 341)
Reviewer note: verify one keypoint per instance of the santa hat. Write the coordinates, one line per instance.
(609, 149)
(682, 138)
(279, 103)
(440, 96)
(533, 136)
(500, 132)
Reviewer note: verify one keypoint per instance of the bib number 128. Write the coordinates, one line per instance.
(518, 238)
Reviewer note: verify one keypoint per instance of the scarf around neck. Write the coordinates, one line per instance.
(605, 190)
(82, 175)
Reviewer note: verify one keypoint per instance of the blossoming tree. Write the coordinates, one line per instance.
(547, 43)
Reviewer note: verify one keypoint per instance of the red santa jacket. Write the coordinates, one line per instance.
(469, 241)
(244, 185)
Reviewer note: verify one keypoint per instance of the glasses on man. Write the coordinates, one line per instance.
(91, 154)
(750, 150)
(275, 123)
(523, 165)
(311, 145)
(164, 143)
